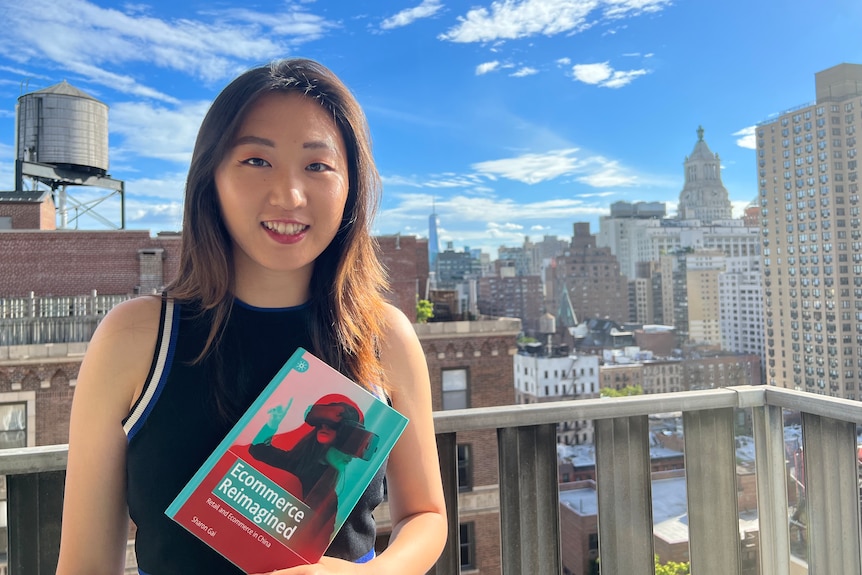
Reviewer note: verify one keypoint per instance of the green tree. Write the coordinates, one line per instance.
(624, 392)
(424, 311)
(671, 568)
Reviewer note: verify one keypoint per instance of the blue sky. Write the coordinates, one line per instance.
(514, 117)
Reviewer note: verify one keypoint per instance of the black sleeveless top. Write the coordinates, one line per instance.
(175, 425)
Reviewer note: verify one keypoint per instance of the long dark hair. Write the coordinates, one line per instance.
(348, 280)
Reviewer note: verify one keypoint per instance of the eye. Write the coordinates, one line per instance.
(317, 167)
(256, 162)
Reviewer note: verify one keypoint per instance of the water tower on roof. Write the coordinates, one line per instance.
(62, 142)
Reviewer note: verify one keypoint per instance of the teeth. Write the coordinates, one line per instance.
(284, 229)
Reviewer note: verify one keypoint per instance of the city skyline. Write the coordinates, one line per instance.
(510, 118)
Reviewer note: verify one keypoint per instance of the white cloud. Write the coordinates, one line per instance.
(738, 207)
(603, 75)
(597, 195)
(442, 181)
(508, 226)
(156, 216)
(486, 67)
(747, 138)
(156, 131)
(622, 8)
(592, 73)
(621, 78)
(91, 40)
(512, 19)
(167, 188)
(525, 71)
(563, 61)
(533, 168)
(426, 9)
(605, 173)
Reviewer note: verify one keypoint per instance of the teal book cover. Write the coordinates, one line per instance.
(280, 485)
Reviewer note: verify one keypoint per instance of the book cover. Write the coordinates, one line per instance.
(280, 485)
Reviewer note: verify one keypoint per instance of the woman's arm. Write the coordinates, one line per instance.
(416, 503)
(95, 515)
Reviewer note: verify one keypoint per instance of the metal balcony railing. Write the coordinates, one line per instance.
(529, 494)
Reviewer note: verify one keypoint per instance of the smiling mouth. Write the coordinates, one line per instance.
(284, 228)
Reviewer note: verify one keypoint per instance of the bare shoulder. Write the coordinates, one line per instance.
(140, 313)
(397, 327)
(402, 356)
(121, 349)
(399, 342)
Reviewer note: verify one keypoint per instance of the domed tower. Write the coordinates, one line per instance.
(703, 197)
(61, 140)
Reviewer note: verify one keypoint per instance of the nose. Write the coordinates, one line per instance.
(287, 191)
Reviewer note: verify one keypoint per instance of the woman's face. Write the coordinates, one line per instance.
(325, 433)
(282, 187)
(337, 458)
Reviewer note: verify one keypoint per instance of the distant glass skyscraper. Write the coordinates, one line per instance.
(433, 242)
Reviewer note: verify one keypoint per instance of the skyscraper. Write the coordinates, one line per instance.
(433, 242)
(808, 182)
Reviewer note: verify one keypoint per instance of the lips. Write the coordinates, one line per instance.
(285, 229)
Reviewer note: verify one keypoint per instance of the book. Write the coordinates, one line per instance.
(280, 485)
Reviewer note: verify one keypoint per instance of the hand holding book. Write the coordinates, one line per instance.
(267, 499)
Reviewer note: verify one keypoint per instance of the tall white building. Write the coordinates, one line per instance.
(740, 293)
(808, 182)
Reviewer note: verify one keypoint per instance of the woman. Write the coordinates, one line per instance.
(276, 254)
(317, 460)
(337, 435)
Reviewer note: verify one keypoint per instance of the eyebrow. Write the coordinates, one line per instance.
(310, 145)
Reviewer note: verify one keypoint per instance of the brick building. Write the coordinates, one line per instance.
(406, 261)
(71, 263)
(37, 258)
(27, 210)
(508, 295)
(38, 381)
(721, 370)
(592, 277)
(470, 364)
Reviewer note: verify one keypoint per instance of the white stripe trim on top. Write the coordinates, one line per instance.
(153, 384)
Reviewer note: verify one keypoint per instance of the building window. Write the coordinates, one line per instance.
(467, 538)
(13, 425)
(465, 467)
(455, 389)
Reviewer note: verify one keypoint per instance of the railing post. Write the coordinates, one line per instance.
(529, 500)
(624, 490)
(713, 510)
(449, 562)
(35, 504)
(771, 476)
(832, 495)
